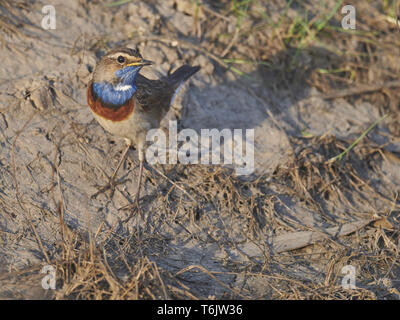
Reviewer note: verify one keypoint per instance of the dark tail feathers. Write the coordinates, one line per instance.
(181, 75)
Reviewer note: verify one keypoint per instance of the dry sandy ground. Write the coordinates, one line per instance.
(223, 236)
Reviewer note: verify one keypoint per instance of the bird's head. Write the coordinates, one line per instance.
(119, 67)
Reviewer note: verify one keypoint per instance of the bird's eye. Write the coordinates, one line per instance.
(121, 59)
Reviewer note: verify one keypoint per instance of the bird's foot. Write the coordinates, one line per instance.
(134, 207)
(111, 185)
(111, 182)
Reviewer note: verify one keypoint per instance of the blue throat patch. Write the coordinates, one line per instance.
(118, 94)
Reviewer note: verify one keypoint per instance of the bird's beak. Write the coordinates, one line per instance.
(140, 63)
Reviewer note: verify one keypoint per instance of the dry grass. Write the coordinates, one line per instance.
(117, 267)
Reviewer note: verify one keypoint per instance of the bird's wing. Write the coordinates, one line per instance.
(153, 93)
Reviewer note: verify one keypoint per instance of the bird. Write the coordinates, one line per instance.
(127, 104)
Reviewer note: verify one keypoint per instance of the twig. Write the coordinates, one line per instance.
(173, 183)
(358, 90)
(211, 275)
(215, 13)
(188, 45)
(17, 194)
(40, 243)
(155, 269)
(231, 43)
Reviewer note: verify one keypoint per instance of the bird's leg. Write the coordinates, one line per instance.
(137, 196)
(136, 199)
(111, 182)
(135, 202)
(121, 161)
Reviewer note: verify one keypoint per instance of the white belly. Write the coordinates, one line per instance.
(132, 128)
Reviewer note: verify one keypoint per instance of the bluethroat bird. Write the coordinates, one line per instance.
(127, 104)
